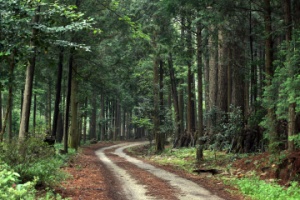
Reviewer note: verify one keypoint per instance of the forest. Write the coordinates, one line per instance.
(208, 74)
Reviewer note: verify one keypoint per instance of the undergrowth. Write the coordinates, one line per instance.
(259, 189)
(24, 166)
(185, 158)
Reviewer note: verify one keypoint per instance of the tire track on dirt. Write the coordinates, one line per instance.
(186, 189)
(132, 190)
(156, 187)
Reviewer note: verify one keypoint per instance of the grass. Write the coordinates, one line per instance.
(249, 185)
(259, 189)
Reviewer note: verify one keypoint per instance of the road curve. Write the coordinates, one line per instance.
(187, 190)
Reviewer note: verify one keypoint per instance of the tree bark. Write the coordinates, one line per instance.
(8, 112)
(288, 38)
(102, 118)
(222, 75)
(85, 119)
(213, 79)
(1, 108)
(24, 125)
(74, 134)
(68, 99)
(58, 91)
(93, 119)
(178, 131)
(200, 144)
(159, 143)
(161, 97)
(273, 143)
(190, 81)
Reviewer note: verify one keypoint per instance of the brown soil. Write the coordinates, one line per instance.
(153, 184)
(92, 180)
(283, 167)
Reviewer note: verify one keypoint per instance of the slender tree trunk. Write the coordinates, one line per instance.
(213, 79)
(74, 135)
(190, 81)
(85, 119)
(8, 112)
(58, 91)
(93, 119)
(68, 99)
(0, 108)
(173, 81)
(222, 74)
(10, 120)
(102, 117)
(200, 144)
(288, 38)
(34, 113)
(59, 128)
(273, 143)
(24, 125)
(161, 97)
(156, 130)
(48, 110)
(253, 82)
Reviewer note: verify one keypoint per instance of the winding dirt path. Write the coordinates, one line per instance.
(104, 172)
(134, 188)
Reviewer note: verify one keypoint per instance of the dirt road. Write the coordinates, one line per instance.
(104, 172)
(142, 181)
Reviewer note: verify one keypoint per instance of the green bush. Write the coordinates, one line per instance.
(259, 189)
(10, 189)
(33, 158)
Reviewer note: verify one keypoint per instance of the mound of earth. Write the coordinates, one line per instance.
(284, 167)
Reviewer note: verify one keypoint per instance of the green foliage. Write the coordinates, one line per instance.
(10, 189)
(259, 189)
(256, 117)
(296, 140)
(226, 126)
(284, 87)
(182, 158)
(31, 159)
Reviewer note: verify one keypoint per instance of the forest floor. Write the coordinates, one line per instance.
(93, 178)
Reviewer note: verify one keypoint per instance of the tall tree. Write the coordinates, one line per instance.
(24, 125)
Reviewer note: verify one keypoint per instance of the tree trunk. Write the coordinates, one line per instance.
(213, 79)
(48, 107)
(59, 128)
(74, 135)
(0, 108)
(161, 97)
(24, 125)
(200, 143)
(68, 99)
(273, 143)
(8, 113)
(34, 113)
(288, 38)
(222, 75)
(93, 119)
(102, 118)
(178, 131)
(85, 119)
(58, 91)
(190, 82)
(159, 143)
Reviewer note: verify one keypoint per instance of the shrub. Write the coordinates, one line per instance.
(10, 189)
(33, 158)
